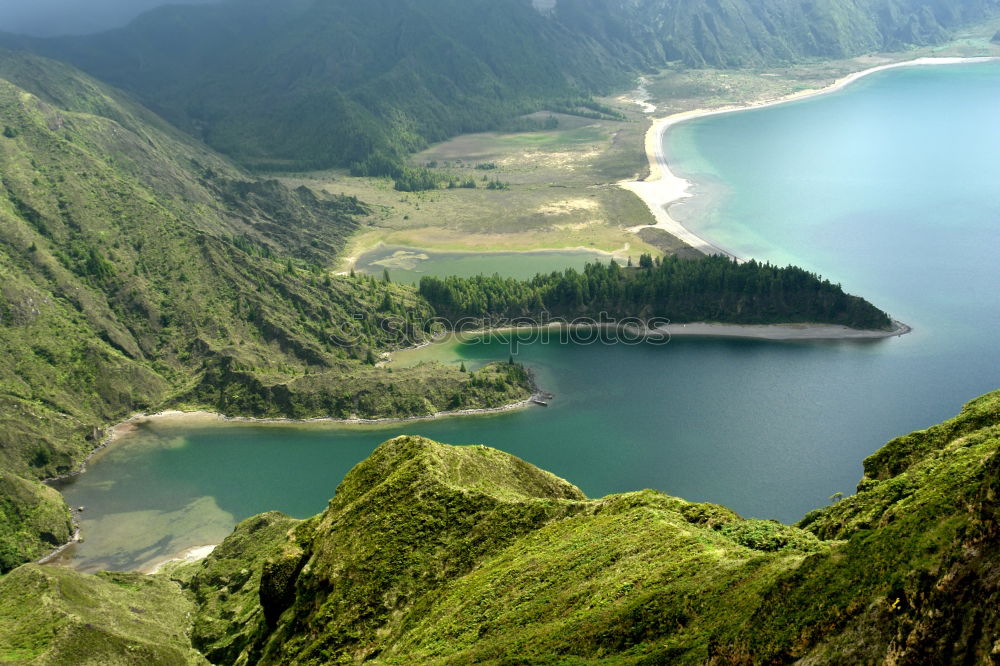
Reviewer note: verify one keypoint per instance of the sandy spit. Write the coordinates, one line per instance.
(184, 557)
(782, 331)
(663, 187)
(207, 416)
(804, 331)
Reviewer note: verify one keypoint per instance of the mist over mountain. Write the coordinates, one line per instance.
(47, 18)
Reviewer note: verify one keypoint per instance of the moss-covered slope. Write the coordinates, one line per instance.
(452, 555)
(54, 616)
(465, 553)
(435, 554)
(33, 519)
(406, 520)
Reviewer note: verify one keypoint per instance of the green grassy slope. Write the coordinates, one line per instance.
(448, 555)
(140, 270)
(33, 520)
(58, 617)
(310, 84)
(436, 554)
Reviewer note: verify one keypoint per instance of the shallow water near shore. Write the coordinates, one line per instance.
(888, 187)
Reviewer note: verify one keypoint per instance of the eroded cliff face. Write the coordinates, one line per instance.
(437, 554)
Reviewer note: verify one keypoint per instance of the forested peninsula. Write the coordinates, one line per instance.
(672, 289)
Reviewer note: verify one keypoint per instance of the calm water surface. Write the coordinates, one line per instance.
(889, 187)
(408, 265)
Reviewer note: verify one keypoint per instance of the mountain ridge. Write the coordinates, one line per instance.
(260, 82)
(446, 555)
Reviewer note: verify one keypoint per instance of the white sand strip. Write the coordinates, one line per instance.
(664, 188)
(186, 557)
(781, 331)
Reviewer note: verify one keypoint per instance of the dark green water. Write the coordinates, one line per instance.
(408, 265)
(889, 187)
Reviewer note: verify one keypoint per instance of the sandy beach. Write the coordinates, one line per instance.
(187, 556)
(204, 416)
(662, 187)
(549, 334)
(782, 331)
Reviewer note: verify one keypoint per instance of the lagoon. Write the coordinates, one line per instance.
(408, 264)
(888, 187)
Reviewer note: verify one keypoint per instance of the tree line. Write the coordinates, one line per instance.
(713, 289)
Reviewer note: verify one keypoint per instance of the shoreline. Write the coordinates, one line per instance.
(662, 187)
(784, 331)
(131, 424)
(206, 415)
(122, 428)
(773, 332)
(186, 556)
(700, 329)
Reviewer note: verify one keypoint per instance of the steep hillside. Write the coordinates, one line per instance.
(33, 520)
(752, 33)
(138, 269)
(321, 83)
(453, 555)
(309, 84)
(53, 616)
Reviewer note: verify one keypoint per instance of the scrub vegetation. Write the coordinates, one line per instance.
(437, 554)
(716, 289)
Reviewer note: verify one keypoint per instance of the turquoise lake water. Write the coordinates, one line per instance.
(889, 187)
(408, 265)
